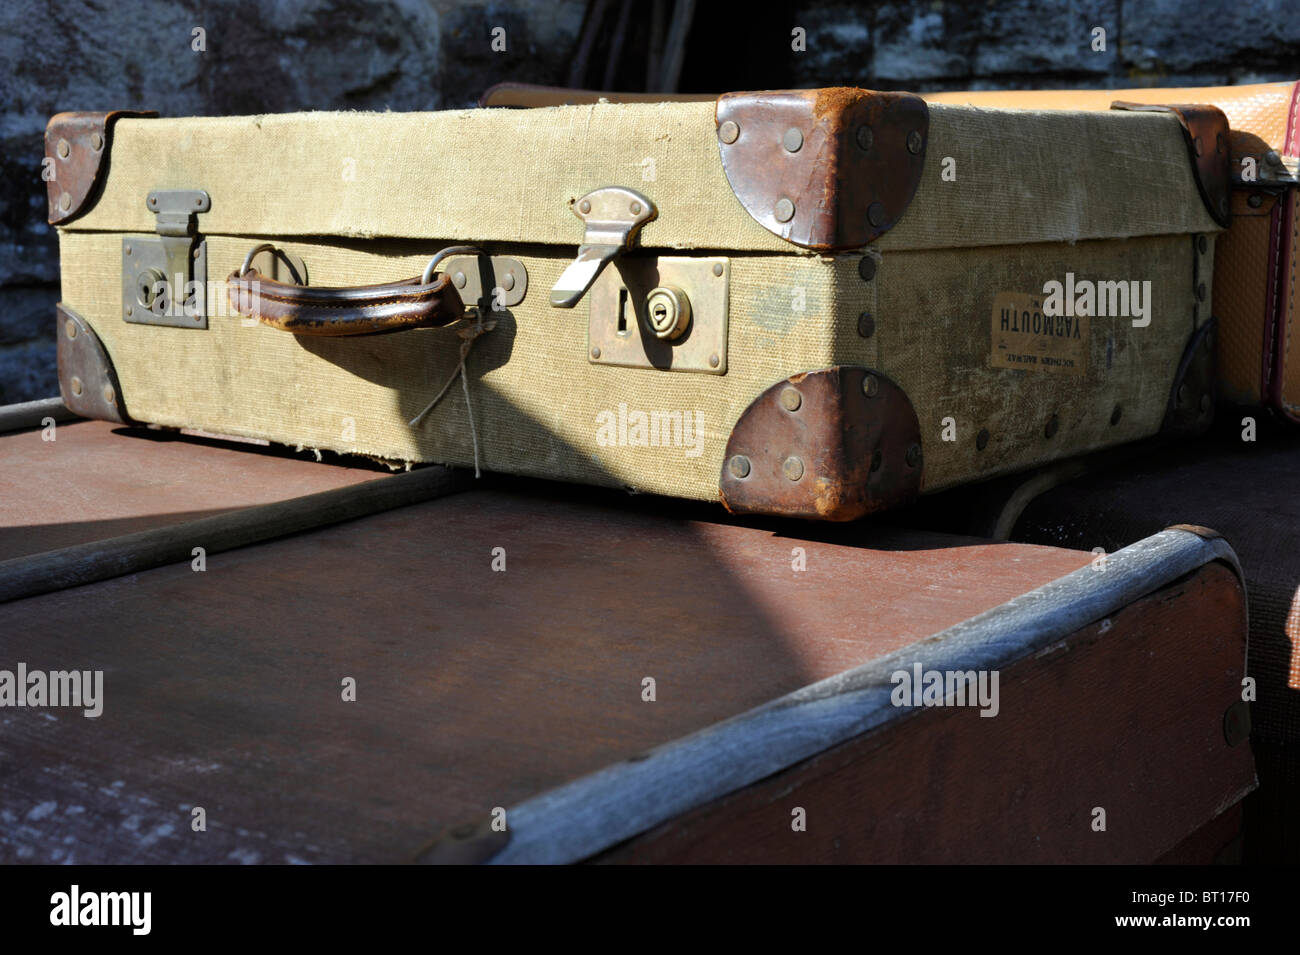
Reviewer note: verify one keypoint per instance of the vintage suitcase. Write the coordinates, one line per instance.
(1256, 275)
(542, 674)
(820, 303)
(1245, 490)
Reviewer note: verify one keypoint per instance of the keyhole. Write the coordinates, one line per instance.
(661, 313)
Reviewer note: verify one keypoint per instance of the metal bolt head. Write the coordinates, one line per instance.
(982, 439)
(728, 132)
(109, 394)
(508, 281)
(739, 466)
(714, 361)
(717, 269)
(867, 267)
(792, 468)
(914, 142)
(866, 325)
(1272, 158)
(65, 202)
(791, 399)
(1254, 200)
(792, 140)
(127, 250)
(129, 310)
(70, 328)
(96, 142)
(865, 138)
(595, 352)
(1053, 423)
(876, 214)
(635, 207)
(76, 385)
(870, 386)
(1200, 292)
(913, 455)
(784, 210)
(459, 279)
(584, 207)
(64, 149)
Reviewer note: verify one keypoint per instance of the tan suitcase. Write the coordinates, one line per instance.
(821, 303)
(1256, 275)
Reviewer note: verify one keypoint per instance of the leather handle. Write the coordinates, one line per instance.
(357, 310)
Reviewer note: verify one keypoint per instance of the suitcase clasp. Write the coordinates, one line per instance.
(613, 217)
(164, 276)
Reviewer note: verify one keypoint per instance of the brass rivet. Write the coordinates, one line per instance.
(127, 250)
(584, 206)
(866, 325)
(867, 268)
(70, 328)
(1201, 244)
(791, 399)
(595, 352)
(739, 466)
(65, 202)
(508, 281)
(914, 142)
(64, 149)
(1254, 200)
(636, 208)
(109, 394)
(1052, 424)
(913, 455)
(864, 138)
(459, 279)
(717, 268)
(197, 253)
(128, 310)
(198, 202)
(792, 140)
(784, 210)
(1115, 414)
(96, 142)
(870, 385)
(1200, 292)
(876, 214)
(728, 132)
(76, 385)
(1200, 146)
(153, 200)
(792, 468)
(714, 360)
(1272, 158)
(982, 439)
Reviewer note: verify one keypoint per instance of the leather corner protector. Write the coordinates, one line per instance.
(1205, 130)
(77, 146)
(835, 444)
(87, 380)
(824, 169)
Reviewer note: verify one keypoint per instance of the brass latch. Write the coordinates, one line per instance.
(613, 217)
(164, 276)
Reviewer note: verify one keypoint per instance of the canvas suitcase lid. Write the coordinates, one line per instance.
(512, 176)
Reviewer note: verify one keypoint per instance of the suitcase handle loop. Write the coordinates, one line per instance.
(427, 277)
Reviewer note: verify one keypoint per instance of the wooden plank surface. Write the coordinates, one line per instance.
(475, 688)
(98, 480)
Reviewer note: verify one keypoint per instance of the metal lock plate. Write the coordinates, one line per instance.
(620, 330)
(164, 276)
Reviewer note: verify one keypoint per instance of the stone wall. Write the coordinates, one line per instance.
(281, 55)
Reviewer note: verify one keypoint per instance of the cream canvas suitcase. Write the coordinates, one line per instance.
(814, 303)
